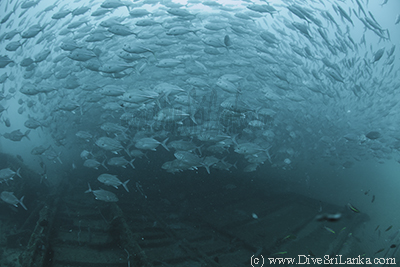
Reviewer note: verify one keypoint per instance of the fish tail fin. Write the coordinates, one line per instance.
(206, 166)
(26, 134)
(193, 119)
(140, 69)
(164, 144)
(130, 163)
(158, 103)
(195, 32)
(89, 190)
(126, 149)
(199, 149)
(22, 204)
(102, 164)
(234, 165)
(154, 54)
(268, 155)
(124, 185)
(166, 98)
(58, 157)
(234, 139)
(18, 174)
(227, 48)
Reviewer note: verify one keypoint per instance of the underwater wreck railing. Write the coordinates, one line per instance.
(127, 238)
(37, 250)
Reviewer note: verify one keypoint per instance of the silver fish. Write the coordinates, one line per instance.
(112, 180)
(103, 195)
(109, 144)
(9, 198)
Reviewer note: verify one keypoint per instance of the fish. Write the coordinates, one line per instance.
(329, 229)
(302, 28)
(379, 251)
(139, 12)
(248, 148)
(94, 164)
(329, 217)
(103, 195)
(9, 198)
(251, 167)
(112, 180)
(109, 144)
(100, 12)
(136, 153)
(373, 135)
(69, 45)
(173, 115)
(52, 155)
(17, 135)
(112, 128)
(84, 135)
(390, 227)
(80, 10)
(352, 208)
(148, 143)
(114, 67)
(228, 88)
(120, 162)
(13, 46)
(262, 9)
(4, 61)
(32, 123)
(61, 14)
(188, 158)
(378, 55)
(39, 150)
(113, 4)
(179, 12)
(81, 54)
(42, 55)
(6, 17)
(121, 30)
(182, 145)
(32, 31)
(343, 14)
(8, 174)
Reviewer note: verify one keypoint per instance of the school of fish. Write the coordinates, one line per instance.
(216, 86)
